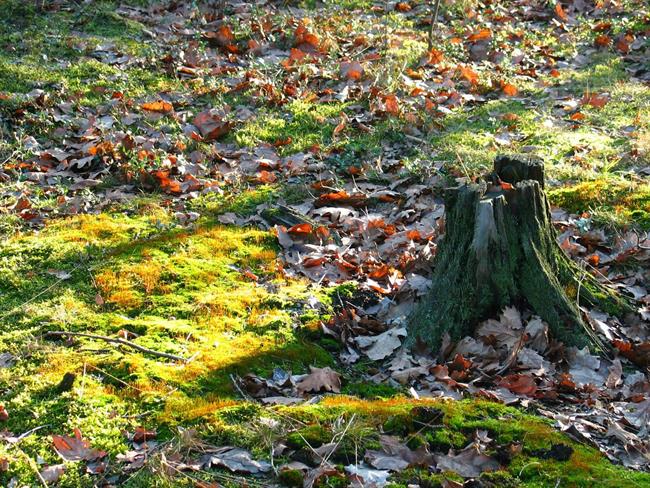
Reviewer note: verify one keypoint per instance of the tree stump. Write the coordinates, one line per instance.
(500, 249)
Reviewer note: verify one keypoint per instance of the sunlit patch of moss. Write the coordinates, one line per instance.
(302, 125)
(611, 201)
(242, 202)
(175, 290)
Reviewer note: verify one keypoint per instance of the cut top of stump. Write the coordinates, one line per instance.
(515, 168)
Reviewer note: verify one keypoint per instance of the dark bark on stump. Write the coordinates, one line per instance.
(500, 249)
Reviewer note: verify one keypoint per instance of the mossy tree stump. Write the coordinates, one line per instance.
(500, 249)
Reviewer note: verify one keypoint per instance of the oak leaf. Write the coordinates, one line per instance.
(75, 448)
(320, 379)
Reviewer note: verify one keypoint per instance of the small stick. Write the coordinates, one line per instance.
(434, 21)
(117, 341)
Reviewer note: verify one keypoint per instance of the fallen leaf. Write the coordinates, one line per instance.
(320, 379)
(469, 463)
(75, 448)
(468, 74)
(351, 70)
(211, 125)
(160, 107)
(381, 346)
(521, 384)
(510, 90)
(236, 460)
(53, 473)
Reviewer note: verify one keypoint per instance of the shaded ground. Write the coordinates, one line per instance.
(140, 148)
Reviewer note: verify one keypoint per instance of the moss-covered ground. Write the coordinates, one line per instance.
(217, 295)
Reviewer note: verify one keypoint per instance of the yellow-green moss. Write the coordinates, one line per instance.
(616, 201)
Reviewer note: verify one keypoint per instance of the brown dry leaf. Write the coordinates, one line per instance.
(521, 384)
(391, 105)
(211, 125)
(595, 100)
(351, 70)
(75, 448)
(52, 474)
(504, 332)
(303, 229)
(469, 463)
(236, 460)
(315, 475)
(320, 379)
(141, 435)
(433, 57)
(639, 354)
(603, 40)
(468, 74)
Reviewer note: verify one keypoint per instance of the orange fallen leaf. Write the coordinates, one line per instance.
(266, 177)
(211, 125)
(313, 262)
(560, 13)
(379, 272)
(603, 40)
(520, 384)
(510, 90)
(468, 74)
(595, 100)
(391, 104)
(413, 235)
(160, 107)
(434, 56)
(351, 70)
(301, 229)
(480, 35)
(403, 7)
(593, 259)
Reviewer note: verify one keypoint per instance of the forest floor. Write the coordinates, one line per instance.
(240, 201)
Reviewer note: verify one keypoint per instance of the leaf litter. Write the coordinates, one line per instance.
(378, 233)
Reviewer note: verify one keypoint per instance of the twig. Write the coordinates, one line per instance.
(122, 342)
(32, 465)
(434, 21)
(238, 388)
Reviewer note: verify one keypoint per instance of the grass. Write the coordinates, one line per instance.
(189, 290)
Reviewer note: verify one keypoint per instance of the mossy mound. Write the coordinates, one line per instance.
(621, 202)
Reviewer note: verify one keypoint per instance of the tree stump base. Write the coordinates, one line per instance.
(501, 249)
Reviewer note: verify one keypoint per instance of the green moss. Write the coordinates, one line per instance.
(303, 125)
(612, 200)
(364, 389)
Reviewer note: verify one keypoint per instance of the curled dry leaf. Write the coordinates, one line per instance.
(320, 379)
